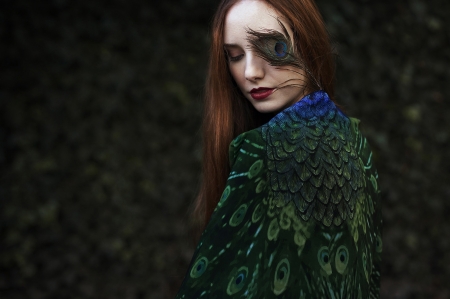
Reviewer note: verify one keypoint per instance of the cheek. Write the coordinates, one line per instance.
(237, 73)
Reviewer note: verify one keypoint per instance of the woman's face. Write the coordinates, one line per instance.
(259, 81)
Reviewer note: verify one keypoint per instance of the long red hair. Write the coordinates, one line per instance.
(226, 111)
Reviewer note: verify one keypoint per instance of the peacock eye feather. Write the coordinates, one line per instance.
(280, 49)
(274, 47)
(238, 215)
(341, 259)
(255, 169)
(237, 281)
(281, 278)
(323, 257)
(199, 267)
(224, 196)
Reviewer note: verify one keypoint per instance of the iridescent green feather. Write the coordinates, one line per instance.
(300, 214)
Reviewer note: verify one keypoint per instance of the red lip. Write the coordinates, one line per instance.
(261, 92)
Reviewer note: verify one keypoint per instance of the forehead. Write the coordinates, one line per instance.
(254, 14)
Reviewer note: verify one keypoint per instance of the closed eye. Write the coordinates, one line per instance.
(235, 58)
(233, 52)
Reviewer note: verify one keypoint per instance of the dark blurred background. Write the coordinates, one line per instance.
(100, 113)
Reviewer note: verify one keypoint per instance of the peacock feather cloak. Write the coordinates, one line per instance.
(300, 215)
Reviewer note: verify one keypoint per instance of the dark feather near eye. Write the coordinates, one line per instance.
(277, 49)
(274, 47)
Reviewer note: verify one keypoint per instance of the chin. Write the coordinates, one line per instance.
(262, 107)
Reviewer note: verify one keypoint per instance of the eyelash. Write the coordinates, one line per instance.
(235, 58)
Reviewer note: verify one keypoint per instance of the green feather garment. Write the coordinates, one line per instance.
(300, 216)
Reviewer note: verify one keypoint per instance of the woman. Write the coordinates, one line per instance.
(299, 215)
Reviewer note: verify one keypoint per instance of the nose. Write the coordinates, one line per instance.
(254, 68)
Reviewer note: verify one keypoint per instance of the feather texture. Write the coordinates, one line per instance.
(274, 47)
(300, 215)
(277, 49)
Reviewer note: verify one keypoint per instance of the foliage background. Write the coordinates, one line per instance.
(100, 110)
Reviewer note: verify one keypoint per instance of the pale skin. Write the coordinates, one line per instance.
(251, 71)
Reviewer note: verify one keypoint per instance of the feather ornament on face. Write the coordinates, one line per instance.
(277, 49)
